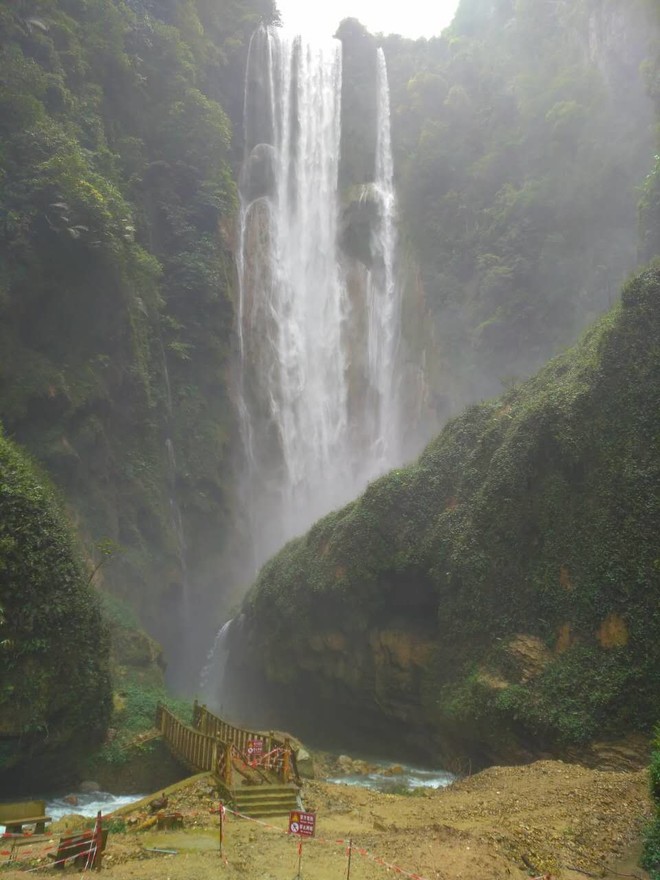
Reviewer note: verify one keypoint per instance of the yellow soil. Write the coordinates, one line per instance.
(506, 822)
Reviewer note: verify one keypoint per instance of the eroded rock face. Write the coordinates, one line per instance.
(529, 655)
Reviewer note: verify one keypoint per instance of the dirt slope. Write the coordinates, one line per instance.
(511, 822)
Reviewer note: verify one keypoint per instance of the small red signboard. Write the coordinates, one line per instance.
(303, 824)
(255, 748)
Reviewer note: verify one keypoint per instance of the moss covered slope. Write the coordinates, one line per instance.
(55, 696)
(498, 597)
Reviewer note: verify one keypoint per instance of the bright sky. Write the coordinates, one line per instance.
(410, 18)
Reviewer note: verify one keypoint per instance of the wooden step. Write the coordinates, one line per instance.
(261, 812)
(265, 800)
(268, 797)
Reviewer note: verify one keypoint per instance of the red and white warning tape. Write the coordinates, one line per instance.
(340, 842)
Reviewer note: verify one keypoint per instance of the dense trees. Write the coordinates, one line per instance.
(116, 203)
(521, 137)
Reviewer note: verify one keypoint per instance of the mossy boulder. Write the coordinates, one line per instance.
(497, 599)
(55, 695)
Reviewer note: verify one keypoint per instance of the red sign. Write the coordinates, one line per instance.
(255, 748)
(303, 824)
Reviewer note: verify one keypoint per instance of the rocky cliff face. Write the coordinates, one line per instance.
(497, 599)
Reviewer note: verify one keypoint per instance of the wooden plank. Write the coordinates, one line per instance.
(25, 810)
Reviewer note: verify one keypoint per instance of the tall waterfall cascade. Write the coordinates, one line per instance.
(383, 302)
(318, 390)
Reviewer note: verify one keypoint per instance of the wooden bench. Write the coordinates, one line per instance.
(14, 816)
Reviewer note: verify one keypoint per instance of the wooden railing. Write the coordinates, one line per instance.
(280, 749)
(211, 743)
(199, 751)
(211, 724)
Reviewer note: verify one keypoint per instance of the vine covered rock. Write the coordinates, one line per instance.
(55, 696)
(497, 599)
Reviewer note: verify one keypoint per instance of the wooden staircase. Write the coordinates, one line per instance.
(259, 786)
(258, 801)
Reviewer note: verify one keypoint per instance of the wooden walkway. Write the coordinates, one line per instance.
(257, 769)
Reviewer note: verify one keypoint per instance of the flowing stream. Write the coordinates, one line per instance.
(86, 804)
(404, 779)
(177, 526)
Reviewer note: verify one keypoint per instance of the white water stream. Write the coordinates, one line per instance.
(400, 780)
(87, 804)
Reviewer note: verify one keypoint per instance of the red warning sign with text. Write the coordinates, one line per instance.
(303, 824)
(255, 748)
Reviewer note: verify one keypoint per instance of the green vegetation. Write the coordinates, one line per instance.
(519, 142)
(117, 197)
(133, 716)
(54, 673)
(650, 860)
(531, 516)
(521, 137)
(358, 104)
(137, 669)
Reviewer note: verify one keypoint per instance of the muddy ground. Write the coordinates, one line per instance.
(506, 822)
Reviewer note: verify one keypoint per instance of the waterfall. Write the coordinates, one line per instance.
(313, 434)
(317, 388)
(383, 299)
(293, 306)
(212, 676)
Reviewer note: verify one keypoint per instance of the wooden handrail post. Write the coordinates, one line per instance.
(98, 843)
(160, 718)
(286, 762)
(228, 766)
